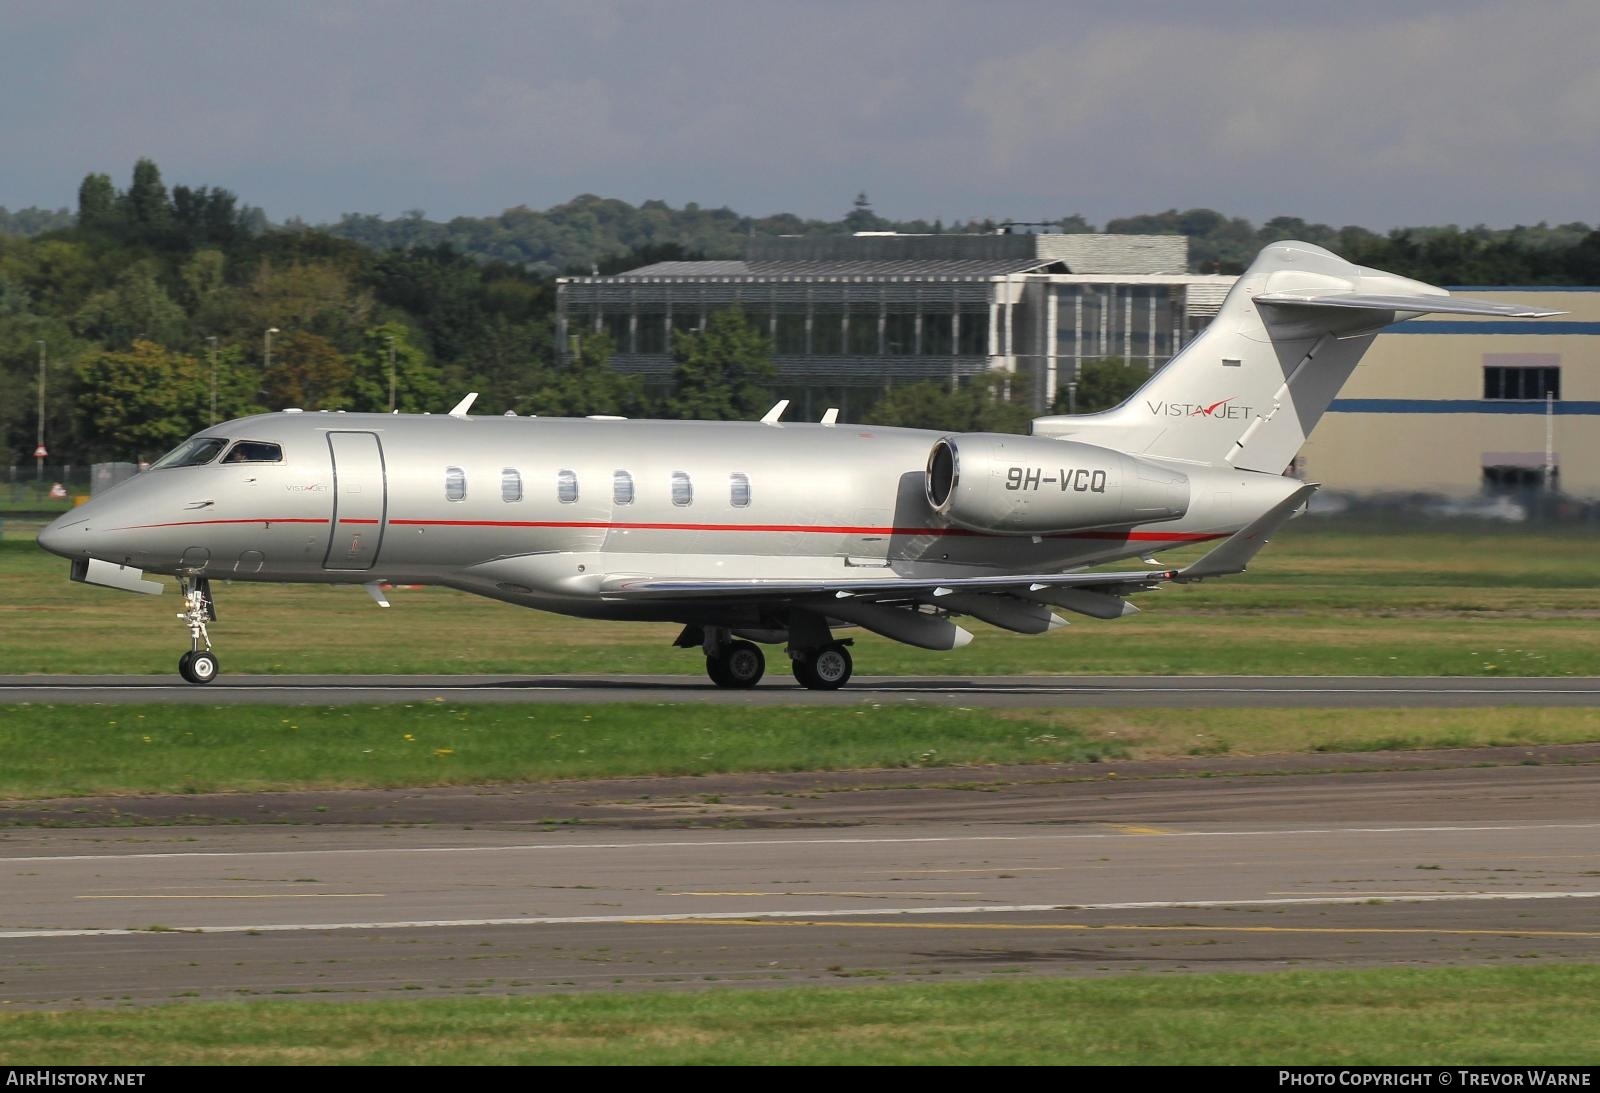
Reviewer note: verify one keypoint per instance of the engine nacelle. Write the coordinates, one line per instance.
(1026, 485)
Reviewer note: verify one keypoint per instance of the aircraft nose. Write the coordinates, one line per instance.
(63, 535)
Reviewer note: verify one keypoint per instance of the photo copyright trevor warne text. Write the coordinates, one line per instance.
(1437, 1077)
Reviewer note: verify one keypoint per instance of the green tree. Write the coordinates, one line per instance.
(978, 405)
(146, 200)
(1103, 382)
(418, 384)
(588, 385)
(97, 202)
(723, 374)
(137, 307)
(315, 296)
(308, 372)
(139, 403)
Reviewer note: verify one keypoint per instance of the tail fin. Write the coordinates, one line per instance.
(1249, 390)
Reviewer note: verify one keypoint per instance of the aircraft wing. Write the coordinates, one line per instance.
(627, 588)
(1442, 305)
(1230, 556)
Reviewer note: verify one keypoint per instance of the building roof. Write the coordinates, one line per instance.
(880, 254)
(903, 267)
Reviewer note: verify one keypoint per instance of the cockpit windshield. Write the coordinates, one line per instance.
(255, 451)
(191, 453)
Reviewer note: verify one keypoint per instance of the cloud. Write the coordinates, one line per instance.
(1362, 112)
(1449, 109)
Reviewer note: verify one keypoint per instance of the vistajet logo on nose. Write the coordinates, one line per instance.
(1225, 409)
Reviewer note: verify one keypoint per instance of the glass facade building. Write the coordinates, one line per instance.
(870, 310)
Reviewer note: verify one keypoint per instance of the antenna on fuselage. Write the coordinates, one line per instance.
(830, 416)
(464, 405)
(771, 416)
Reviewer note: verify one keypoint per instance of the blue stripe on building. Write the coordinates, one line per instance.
(1495, 326)
(1458, 406)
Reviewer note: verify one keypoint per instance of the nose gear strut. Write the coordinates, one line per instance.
(199, 664)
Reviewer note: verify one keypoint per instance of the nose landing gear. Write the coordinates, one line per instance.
(198, 665)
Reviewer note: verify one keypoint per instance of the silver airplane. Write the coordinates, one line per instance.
(772, 532)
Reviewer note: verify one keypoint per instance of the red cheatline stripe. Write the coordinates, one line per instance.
(822, 529)
(813, 529)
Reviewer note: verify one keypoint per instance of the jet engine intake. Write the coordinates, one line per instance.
(1024, 485)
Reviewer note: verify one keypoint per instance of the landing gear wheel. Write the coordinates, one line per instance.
(198, 667)
(203, 668)
(739, 665)
(827, 669)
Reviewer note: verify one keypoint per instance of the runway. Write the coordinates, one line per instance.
(584, 887)
(1236, 692)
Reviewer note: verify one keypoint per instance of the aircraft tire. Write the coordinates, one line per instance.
(828, 669)
(183, 666)
(202, 667)
(743, 665)
(718, 672)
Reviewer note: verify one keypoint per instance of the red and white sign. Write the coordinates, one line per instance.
(58, 492)
(39, 452)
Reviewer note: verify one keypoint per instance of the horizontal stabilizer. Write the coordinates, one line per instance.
(1237, 550)
(1441, 305)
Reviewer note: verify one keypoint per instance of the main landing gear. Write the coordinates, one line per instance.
(198, 665)
(824, 669)
(820, 663)
(735, 664)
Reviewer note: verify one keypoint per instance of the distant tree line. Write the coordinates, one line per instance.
(151, 304)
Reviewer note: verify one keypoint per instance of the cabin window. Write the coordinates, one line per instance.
(566, 486)
(682, 490)
(739, 490)
(510, 485)
(455, 484)
(621, 488)
(254, 451)
(192, 453)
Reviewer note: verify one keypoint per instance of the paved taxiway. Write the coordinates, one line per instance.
(789, 879)
(1016, 691)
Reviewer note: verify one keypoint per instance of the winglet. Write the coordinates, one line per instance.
(771, 416)
(464, 405)
(1237, 550)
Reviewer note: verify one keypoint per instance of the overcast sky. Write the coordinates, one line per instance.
(1379, 114)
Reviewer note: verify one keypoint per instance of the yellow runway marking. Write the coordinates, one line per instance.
(897, 892)
(263, 895)
(1141, 829)
(1083, 927)
(987, 869)
(1379, 895)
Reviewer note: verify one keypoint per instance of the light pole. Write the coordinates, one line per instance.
(267, 356)
(39, 451)
(212, 342)
(390, 339)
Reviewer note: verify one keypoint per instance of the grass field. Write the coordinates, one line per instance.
(1457, 1016)
(1317, 601)
(66, 751)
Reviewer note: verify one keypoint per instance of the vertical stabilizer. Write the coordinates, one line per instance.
(1248, 391)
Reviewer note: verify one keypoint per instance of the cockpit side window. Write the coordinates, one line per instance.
(254, 451)
(193, 452)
